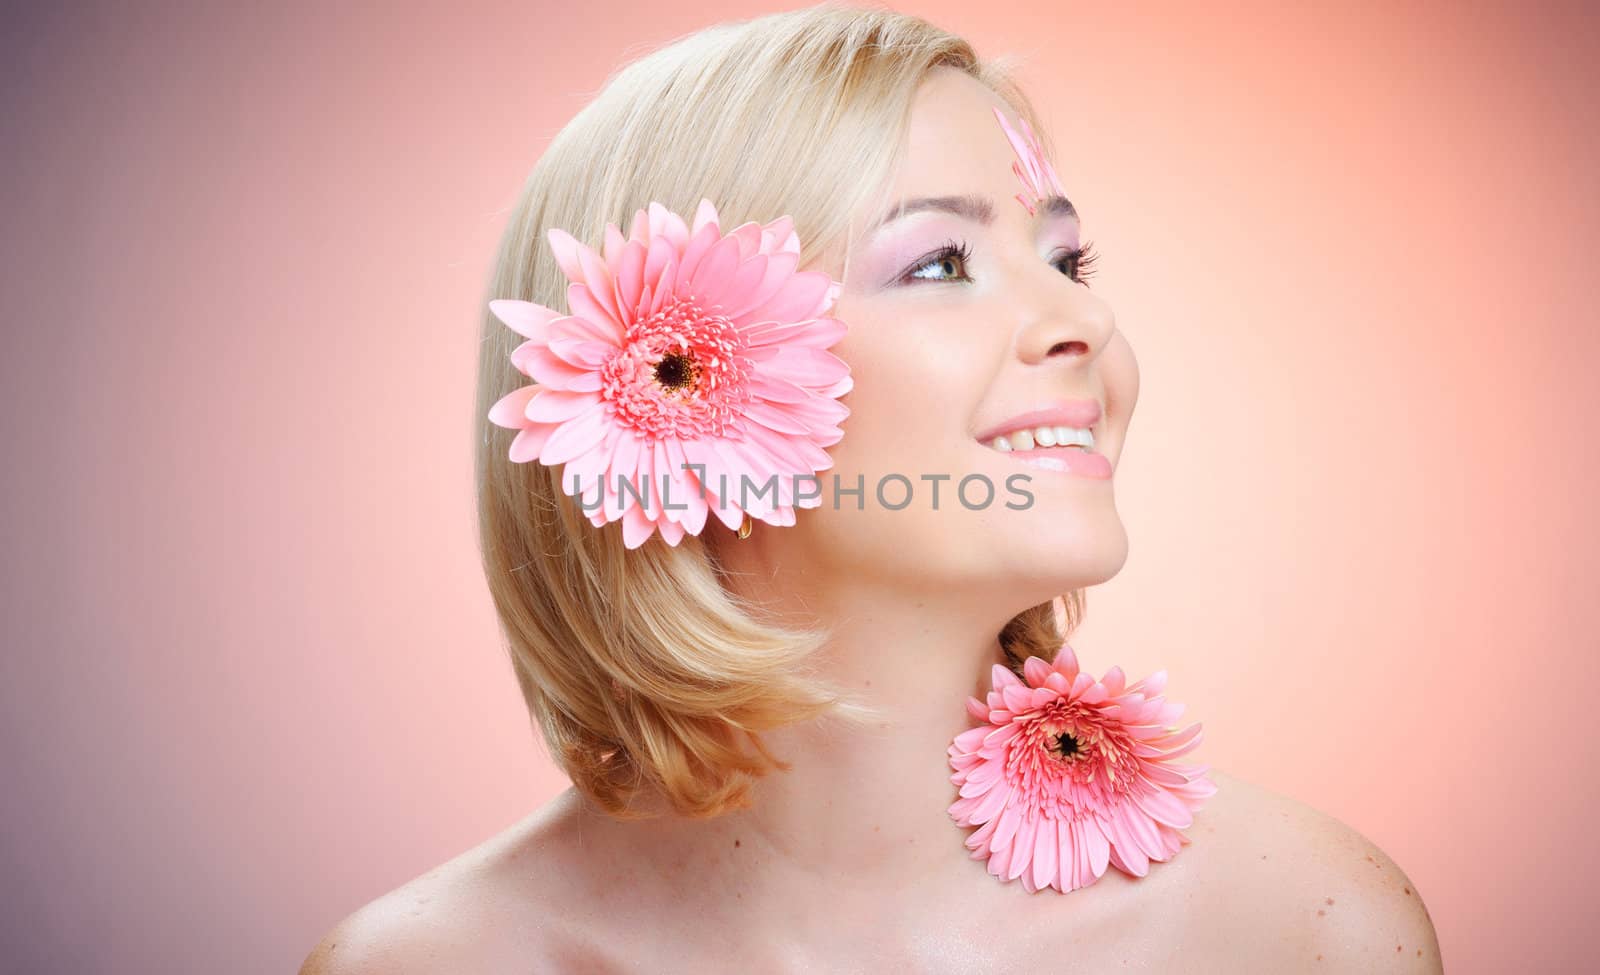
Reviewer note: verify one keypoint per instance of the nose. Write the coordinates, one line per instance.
(1076, 325)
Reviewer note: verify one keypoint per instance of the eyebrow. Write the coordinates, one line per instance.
(974, 208)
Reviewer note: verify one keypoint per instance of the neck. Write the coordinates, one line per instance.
(863, 809)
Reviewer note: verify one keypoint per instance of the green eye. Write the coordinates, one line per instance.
(948, 263)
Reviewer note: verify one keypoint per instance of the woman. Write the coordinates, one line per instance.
(761, 725)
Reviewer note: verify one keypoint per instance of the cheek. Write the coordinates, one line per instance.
(918, 381)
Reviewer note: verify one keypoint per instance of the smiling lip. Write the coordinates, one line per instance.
(1084, 463)
(1080, 413)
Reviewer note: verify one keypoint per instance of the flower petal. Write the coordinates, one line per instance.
(1000, 861)
(775, 418)
(523, 317)
(555, 406)
(508, 409)
(582, 353)
(533, 359)
(565, 247)
(698, 247)
(804, 295)
(585, 306)
(992, 803)
(1017, 698)
(654, 486)
(1130, 855)
(1002, 677)
(597, 280)
(1163, 808)
(716, 270)
(779, 236)
(1152, 685)
(529, 442)
(1022, 847)
(780, 267)
(1035, 669)
(806, 367)
(625, 464)
(611, 247)
(748, 234)
(671, 531)
(1099, 847)
(577, 435)
(1046, 850)
(705, 214)
(818, 333)
(583, 472)
(1142, 828)
(1163, 776)
(630, 279)
(636, 528)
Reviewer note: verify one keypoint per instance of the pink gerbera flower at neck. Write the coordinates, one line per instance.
(689, 378)
(1068, 774)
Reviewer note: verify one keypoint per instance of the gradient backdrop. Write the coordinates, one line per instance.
(251, 676)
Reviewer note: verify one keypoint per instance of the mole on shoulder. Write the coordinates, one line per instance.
(735, 842)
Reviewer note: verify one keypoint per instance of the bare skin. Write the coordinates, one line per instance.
(849, 862)
(1266, 884)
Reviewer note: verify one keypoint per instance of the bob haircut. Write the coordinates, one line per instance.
(648, 678)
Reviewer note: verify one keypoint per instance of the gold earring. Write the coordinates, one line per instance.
(746, 526)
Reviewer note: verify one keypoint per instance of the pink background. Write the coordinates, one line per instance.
(251, 674)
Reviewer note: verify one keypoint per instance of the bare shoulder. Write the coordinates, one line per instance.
(491, 909)
(1330, 895)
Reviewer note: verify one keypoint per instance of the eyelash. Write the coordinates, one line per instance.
(1083, 261)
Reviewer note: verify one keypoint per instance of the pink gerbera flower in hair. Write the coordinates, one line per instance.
(689, 378)
(1068, 774)
(1038, 177)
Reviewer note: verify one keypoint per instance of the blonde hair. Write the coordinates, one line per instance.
(646, 675)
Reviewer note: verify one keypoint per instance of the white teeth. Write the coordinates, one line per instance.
(1051, 436)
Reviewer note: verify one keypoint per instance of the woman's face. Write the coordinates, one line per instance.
(964, 317)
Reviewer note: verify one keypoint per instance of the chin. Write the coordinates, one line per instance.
(1067, 554)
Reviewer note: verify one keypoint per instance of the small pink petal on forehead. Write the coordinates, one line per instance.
(1038, 177)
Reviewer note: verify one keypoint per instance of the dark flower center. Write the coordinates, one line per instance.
(680, 373)
(1066, 745)
(676, 370)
